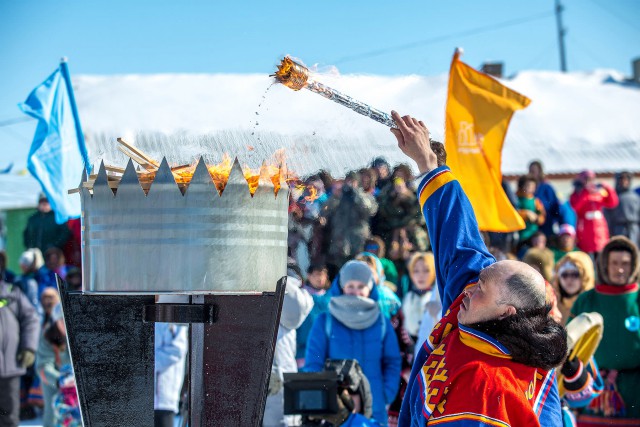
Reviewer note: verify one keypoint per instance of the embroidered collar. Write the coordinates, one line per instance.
(616, 289)
(483, 342)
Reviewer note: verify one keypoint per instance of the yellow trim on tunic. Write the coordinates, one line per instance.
(467, 416)
(481, 345)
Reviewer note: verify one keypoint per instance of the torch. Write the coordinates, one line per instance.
(296, 76)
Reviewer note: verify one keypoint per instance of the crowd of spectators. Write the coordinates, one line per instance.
(365, 237)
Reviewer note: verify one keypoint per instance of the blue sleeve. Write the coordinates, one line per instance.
(391, 363)
(551, 408)
(317, 346)
(458, 247)
(171, 346)
(404, 419)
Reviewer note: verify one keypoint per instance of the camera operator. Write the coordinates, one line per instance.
(339, 396)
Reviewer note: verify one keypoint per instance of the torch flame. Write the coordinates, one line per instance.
(220, 175)
(292, 74)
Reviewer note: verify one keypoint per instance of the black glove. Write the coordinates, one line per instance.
(570, 369)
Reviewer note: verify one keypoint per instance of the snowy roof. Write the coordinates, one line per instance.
(575, 121)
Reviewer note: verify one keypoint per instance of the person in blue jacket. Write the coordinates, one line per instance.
(490, 360)
(354, 328)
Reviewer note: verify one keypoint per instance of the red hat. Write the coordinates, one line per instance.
(567, 229)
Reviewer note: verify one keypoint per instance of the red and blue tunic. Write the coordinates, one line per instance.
(462, 377)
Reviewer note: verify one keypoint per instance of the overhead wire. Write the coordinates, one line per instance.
(444, 37)
(615, 15)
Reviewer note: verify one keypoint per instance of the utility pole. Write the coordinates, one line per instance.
(561, 34)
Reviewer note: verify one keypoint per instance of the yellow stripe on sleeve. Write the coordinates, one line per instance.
(434, 184)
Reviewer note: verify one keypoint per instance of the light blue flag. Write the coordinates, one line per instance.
(58, 153)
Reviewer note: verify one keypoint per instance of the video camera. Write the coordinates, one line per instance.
(317, 393)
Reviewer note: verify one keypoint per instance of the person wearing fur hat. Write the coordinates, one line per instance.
(588, 200)
(354, 328)
(574, 274)
(617, 299)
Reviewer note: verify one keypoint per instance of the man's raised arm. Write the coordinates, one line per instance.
(458, 247)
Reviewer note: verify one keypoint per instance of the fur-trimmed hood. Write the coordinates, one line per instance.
(583, 262)
(615, 244)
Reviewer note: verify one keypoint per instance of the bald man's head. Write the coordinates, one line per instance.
(509, 304)
(503, 288)
(523, 286)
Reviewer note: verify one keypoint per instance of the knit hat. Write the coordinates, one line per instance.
(356, 270)
(567, 229)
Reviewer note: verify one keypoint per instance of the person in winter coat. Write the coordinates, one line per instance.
(296, 307)
(347, 214)
(317, 285)
(422, 277)
(541, 260)
(566, 242)
(170, 346)
(52, 353)
(574, 274)
(588, 200)
(30, 262)
(547, 195)
(530, 208)
(54, 264)
(7, 276)
(490, 359)
(624, 220)
(375, 245)
(19, 330)
(355, 329)
(617, 299)
(398, 208)
(42, 231)
(387, 299)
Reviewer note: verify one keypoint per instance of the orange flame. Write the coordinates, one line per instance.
(220, 174)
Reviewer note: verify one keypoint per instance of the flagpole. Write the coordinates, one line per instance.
(64, 69)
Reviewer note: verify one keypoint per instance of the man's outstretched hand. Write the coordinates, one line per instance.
(413, 140)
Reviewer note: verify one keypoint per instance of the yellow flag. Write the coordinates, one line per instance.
(479, 109)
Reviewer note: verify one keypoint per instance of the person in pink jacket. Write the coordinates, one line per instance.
(588, 200)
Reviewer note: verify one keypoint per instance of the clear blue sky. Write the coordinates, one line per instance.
(373, 37)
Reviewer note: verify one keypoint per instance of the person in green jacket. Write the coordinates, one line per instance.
(617, 299)
(530, 208)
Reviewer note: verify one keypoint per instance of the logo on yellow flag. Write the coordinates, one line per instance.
(479, 109)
